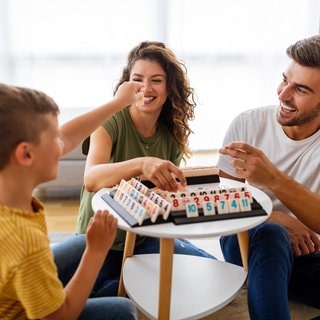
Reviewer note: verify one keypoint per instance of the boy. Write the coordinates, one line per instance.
(31, 145)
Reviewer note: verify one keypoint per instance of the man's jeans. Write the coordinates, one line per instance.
(274, 273)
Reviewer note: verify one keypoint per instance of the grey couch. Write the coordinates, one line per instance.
(70, 177)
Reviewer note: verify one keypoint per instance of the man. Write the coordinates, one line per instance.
(276, 148)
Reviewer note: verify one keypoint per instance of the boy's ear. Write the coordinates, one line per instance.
(23, 154)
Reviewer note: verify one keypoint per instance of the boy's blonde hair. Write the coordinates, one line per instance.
(21, 117)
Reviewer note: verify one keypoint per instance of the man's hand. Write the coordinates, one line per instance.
(251, 163)
(303, 240)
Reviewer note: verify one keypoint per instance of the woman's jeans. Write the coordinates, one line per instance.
(67, 255)
(274, 273)
(109, 308)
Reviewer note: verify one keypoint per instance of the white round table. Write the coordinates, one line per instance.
(171, 286)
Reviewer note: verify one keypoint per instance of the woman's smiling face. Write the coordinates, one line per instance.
(155, 80)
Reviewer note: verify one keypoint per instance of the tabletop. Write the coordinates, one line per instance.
(195, 230)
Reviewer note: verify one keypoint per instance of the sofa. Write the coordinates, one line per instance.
(69, 179)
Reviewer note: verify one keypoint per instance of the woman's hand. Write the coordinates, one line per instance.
(163, 174)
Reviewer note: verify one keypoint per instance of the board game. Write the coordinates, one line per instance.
(204, 199)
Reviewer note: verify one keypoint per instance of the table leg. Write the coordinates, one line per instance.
(128, 252)
(243, 239)
(166, 264)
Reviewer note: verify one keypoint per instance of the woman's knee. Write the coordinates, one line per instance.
(73, 246)
(67, 256)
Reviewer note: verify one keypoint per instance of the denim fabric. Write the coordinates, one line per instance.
(67, 255)
(274, 273)
(111, 308)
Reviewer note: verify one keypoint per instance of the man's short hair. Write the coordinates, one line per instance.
(306, 52)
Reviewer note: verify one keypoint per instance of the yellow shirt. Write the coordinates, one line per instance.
(29, 283)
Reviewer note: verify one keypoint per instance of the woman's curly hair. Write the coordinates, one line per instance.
(179, 106)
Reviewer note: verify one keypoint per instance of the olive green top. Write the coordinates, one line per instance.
(128, 143)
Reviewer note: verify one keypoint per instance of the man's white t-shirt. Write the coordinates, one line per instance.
(300, 159)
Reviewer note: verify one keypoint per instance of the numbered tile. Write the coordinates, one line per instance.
(222, 206)
(244, 204)
(134, 193)
(226, 196)
(148, 205)
(177, 204)
(124, 199)
(155, 210)
(139, 186)
(125, 186)
(129, 205)
(118, 195)
(196, 200)
(166, 210)
(164, 205)
(247, 194)
(234, 205)
(216, 197)
(208, 208)
(142, 215)
(192, 210)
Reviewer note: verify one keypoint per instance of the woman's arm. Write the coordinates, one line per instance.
(99, 172)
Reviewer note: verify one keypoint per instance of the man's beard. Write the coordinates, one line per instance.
(299, 120)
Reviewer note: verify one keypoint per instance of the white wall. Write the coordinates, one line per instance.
(74, 50)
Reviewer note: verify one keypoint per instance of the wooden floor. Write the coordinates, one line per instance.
(61, 213)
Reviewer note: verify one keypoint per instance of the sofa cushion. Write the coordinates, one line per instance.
(69, 178)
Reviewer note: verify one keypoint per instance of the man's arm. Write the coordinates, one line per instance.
(252, 165)
(299, 200)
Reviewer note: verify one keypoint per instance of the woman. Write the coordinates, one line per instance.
(148, 138)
